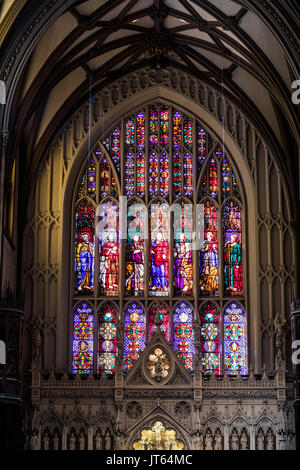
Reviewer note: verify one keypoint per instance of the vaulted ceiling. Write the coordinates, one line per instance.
(226, 43)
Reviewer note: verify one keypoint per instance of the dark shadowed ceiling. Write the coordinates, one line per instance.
(226, 43)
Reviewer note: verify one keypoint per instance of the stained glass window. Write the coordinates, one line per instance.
(209, 252)
(160, 318)
(188, 133)
(159, 250)
(177, 129)
(153, 174)
(84, 247)
(130, 132)
(91, 180)
(235, 339)
(108, 234)
(233, 266)
(164, 127)
(134, 333)
(210, 339)
(140, 131)
(183, 333)
(129, 183)
(165, 162)
(83, 339)
(107, 339)
(105, 178)
(153, 138)
(140, 175)
(116, 146)
(134, 258)
(183, 255)
(201, 145)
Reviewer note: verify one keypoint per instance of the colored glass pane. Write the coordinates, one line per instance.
(129, 175)
(107, 339)
(108, 248)
(187, 175)
(209, 252)
(160, 318)
(83, 339)
(177, 174)
(177, 130)
(235, 340)
(233, 265)
(188, 133)
(201, 143)
(213, 179)
(164, 174)
(130, 130)
(159, 250)
(210, 340)
(153, 124)
(183, 333)
(140, 175)
(82, 187)
(164, 127)
(134, 256)
(91, 178)
(84, 247)
(104, 178)
(183, 256)
(153, 174)
(134, 333)
(115, 146)
(140, 130)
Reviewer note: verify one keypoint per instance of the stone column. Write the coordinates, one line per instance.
(3, 144)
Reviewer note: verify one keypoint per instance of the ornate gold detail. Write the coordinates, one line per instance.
(158, 439)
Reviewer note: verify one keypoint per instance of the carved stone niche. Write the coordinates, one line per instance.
(134, 410)
(182, 409)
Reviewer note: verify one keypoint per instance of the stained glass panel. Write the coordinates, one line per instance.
(210, 339)
(201, 141)
(91, 179)
(233, 266)
(235, 340)
(84, 247)
(82, 187)
(159, 250)
(153, 138)
(134, 334)
(130, 132)
(188, 133)
(183, 333)
(159, 317)
(153, 174)
(187, 175)
(183, 255)
(209, 252)
(140, 130)
(213, 179)
(140, 175)
(134, 257)
(177, 174)
(116, 146)
(107, 339)
(104, 178)
(177, 130)
(108, 234)
(83, 339)
(164, 127)
(129, 178)
(164, 175)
